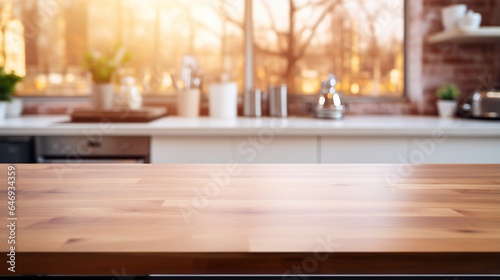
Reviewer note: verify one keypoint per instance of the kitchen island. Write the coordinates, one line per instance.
(255, 219)
(363, 126)
(355, 139)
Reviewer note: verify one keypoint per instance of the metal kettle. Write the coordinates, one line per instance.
(331, 103)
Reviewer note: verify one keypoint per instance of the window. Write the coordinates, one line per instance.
(297, 42)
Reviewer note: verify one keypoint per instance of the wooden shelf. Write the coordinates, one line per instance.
(482, 35)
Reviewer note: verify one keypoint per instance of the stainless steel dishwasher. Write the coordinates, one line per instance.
(81, 149)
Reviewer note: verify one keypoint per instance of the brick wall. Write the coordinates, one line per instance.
(429, 66)
(468, 66)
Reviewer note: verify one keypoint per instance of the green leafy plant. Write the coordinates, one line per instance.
(448, 92)
(8, 83)
(103, 66)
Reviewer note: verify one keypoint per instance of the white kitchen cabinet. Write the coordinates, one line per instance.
(249, 149)
(191, 149)
(464, 150)
(254, 149)
(326, 149)
(363, 149)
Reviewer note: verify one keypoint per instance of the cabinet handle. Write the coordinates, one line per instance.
(94, 144)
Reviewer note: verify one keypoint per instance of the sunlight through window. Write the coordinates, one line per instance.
(297, 42)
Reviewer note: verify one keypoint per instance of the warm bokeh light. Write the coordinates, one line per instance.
(166, 82)
(354, 88)
(13, 40)
(395, 78)
(352, 39)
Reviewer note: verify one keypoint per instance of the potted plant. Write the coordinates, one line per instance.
(8, 83)
(447, 100)
(103, 67)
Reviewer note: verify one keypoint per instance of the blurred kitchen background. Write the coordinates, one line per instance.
(296, 42)
(212, 81)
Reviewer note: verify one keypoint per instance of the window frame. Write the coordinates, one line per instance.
(249, 72)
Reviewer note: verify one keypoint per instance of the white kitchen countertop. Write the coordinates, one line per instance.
(175, 126)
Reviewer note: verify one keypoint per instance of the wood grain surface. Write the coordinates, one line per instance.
(255, 218)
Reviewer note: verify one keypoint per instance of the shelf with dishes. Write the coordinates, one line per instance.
(464, 26)
(481, 35)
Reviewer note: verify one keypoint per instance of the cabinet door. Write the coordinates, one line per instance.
(455, 151)
(363, 149)
(269, 149)
(194, 150)
(17, 150)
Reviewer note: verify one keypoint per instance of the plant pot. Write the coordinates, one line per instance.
(3, 110)
(447, 108)
(103, 96)
(14, 108)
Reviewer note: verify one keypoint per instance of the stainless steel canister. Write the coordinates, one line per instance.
(278, 101)
(252, 103)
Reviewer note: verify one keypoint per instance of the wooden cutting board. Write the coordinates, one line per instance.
(144, 115)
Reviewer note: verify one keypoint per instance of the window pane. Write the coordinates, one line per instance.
(158, 33)
(299, 42)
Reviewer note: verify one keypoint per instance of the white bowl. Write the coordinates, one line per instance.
(472, 21)
(450, 16)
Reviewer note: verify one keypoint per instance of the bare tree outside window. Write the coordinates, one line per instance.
(297, 42)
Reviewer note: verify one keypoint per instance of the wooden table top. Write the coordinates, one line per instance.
(256, 210)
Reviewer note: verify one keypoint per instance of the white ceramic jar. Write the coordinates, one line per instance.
(223, 100)
(129, 96)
